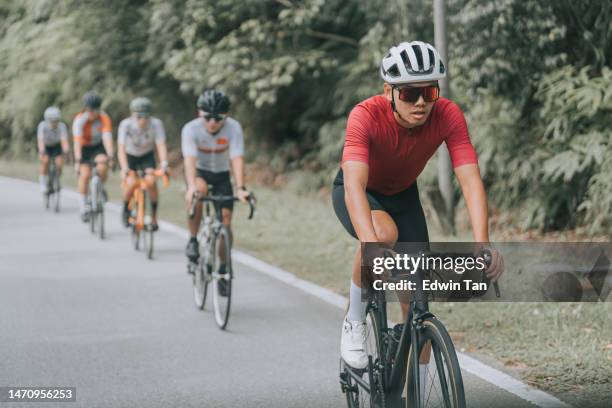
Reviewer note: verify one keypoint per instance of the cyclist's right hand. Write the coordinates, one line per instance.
(189, 194)
(123, 173)
(373, 251)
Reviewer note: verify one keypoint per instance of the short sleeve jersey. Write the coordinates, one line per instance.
(137, 141)
(91, 131)
(213, 152)
(51, 136)
(397, 155)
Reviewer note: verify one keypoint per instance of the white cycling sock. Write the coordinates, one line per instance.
(422, 382)
(357, 308)
(43, 180)
(82, 202)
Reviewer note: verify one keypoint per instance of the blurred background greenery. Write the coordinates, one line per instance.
(532, 76)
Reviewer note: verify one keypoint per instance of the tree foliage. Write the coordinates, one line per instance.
(532, 76)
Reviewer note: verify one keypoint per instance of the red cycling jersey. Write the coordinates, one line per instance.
(397, 155)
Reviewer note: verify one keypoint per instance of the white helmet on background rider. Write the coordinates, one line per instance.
(414, 61)
(52, 113)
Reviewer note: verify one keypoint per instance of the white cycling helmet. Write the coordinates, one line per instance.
(414, 61)
(52, 113)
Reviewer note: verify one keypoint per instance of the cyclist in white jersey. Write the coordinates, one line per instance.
(138, 137)
(209, 144)
(52, 138)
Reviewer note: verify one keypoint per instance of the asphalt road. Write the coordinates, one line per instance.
(96, 315)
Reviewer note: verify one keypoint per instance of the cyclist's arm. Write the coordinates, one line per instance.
(78, 150)
(162, 151)
(238, 170)
(475, 197)
(108, 145)
(122, 157)
(64, 139)
(355, 183)
(39, 138)
(160, 143)
(107, 135)
(190, 172)
(65, 146)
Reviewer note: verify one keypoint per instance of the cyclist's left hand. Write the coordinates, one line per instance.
(243, 195)
(497, 265)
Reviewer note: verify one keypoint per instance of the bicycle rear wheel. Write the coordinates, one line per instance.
(356, 396)
(443, 381)
(222, 283)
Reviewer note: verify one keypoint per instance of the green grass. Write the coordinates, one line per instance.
(562, 348)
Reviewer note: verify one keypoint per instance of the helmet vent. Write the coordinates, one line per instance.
(394, 71)
(419, 56)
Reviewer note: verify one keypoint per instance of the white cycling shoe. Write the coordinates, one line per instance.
(352, 344)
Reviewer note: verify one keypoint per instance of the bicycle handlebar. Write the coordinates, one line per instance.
(217, 198)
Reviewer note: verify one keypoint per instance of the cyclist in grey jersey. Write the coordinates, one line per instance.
(209, 144)
(52, 140)
(138, 137)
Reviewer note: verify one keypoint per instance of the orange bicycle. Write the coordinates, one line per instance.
(140, 211)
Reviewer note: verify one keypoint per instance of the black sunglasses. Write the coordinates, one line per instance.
(211, 116)
(412, 94)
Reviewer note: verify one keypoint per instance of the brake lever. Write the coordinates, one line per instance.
(252, 201)
(488, 258)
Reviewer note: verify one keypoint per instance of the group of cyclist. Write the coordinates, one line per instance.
(210, 143)
(389, 140)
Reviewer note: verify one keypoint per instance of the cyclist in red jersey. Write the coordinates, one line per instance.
(389, 139)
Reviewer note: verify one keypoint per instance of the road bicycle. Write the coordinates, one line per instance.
(140, 211)
(214, 237)
(394, 354)
(52, 195)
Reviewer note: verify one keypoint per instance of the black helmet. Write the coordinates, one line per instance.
(212, 101)
(141, 105)
(92, 100)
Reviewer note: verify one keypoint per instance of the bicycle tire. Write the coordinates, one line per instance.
(49, 192)
(100, 210)
(203, 273)
(56, 199)
(148, 231)
(135, 238)
(222, 304)
(56, 191)
(447, 389)
(355, 396)
(93, 187)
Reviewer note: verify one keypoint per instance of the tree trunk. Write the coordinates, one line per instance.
(446, 213)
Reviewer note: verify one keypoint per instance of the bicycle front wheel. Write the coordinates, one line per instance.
(442, 385)
(356, 395)
(56, 192)
(222, 283)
